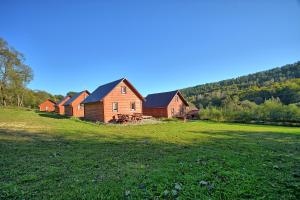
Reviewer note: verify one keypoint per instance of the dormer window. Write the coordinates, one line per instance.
(123, 90)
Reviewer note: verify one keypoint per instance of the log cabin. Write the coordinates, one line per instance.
(59, 106)
(112, 99)
(74, 106)
(166, 104)
(47, 106)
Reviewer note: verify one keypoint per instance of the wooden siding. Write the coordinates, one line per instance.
(75, 109)
(60, 109)
(68, 110)
(155, 112)
(123, 100)
(47, 106)
(179, 109)
(178, 105)
(94, 111)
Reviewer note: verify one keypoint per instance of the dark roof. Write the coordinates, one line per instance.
(51, 101)
(160, 100)
(62, 100)
(105, 89)
(73, 98)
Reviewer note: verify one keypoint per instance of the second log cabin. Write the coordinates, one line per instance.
(165, 104)
(59, 106)
(74, 106)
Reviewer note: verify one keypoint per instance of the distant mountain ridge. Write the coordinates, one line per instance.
(203, 95)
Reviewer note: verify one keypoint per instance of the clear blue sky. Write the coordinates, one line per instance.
(159, 45)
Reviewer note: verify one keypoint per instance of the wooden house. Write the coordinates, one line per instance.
(73, 106)
(59, 106)
(47, 106)
(166, 104)
(111, 99)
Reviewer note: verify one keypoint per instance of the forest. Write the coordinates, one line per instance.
(272, 95)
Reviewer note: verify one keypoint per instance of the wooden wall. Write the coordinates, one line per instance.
(47, 106)
(124, 101)
(94, 111)
(178, 105)
(68, 110)
(60, 109)
(77, 110)
(155, 112)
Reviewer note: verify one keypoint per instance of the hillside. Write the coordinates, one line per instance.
(214, 93)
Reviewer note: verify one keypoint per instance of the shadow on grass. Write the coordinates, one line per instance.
(52, 115)
(33, 164)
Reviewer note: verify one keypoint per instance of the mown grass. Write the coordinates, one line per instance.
(45, 156)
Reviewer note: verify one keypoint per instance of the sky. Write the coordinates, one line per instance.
(158, 45)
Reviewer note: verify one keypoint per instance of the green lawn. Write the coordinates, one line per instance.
(43, 156)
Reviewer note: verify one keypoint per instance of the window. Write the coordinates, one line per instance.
(46, 108)
(115, 107)
(176, 98)
(132, 106)
(123, 90)
(80, 107)
(173, 111)
(181, 110)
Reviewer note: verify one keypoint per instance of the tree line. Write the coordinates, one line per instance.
(212, 94)
(272, 110)
(272, 95)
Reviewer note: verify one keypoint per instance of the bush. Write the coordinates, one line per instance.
(271, 110)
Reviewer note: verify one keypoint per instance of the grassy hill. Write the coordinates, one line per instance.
(44, 156)
(214, 93)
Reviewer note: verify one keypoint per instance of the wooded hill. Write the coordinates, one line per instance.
(281, 82)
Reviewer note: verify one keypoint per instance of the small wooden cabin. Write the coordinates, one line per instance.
(59, 106)
(111, 99)
(47, 106)
(73, 106)
(166, 104)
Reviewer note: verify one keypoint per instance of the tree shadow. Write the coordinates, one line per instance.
(52, 115)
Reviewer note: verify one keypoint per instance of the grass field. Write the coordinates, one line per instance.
(44, 156)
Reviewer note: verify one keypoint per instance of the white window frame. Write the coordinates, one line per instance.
(131, 103)
(123, 90)
(80, 106)
(117, 107)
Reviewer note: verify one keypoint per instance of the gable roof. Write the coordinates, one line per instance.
(51, 101)
(103, 90)
(160, 100)
(75, 97)
(61, 101)
(48, 100)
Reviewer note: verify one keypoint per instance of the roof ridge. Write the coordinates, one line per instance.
(163, 92)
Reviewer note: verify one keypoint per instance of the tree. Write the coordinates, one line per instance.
(14, 75)
(71, 93)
